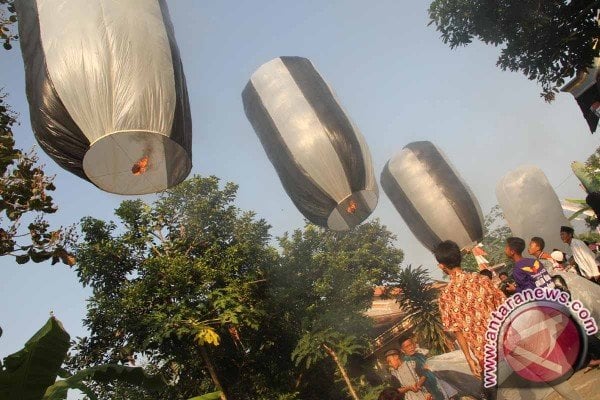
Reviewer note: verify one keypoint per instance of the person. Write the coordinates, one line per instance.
(466, 304)
(576, 286)
(559, 262)
(528, 273)
(390, 393)
(437, 389)
(507, 285)
(410, 383)
(536, 249)
(487, 273)
(584, 257)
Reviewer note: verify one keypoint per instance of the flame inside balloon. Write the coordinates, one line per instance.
(140, 167)
(352, 207)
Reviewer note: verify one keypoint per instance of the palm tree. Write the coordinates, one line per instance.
(418, 299)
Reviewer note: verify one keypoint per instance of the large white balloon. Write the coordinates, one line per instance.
(106, 90)
(431, 197)
(531, 207)
(321, 158)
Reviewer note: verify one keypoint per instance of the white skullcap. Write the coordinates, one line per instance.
(557, 255)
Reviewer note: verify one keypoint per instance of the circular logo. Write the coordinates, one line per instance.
(542, 342)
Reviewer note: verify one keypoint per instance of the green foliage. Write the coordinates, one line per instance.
(31, 373)
(370, 392)
(105, 374)
(495, 232)
(26, 374)
(548, 41)
(208, 396)
(8, 18)
(191, 264)
(311, 347)
(322, 286)
(592, 165)
(587, 175)
(24, 194)
(592, 237)
(179, 274)
(327, 278)
(418, 300)
(23, 186)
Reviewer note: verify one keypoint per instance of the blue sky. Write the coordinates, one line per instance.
(394, 76)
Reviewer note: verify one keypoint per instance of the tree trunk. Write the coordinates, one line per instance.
(342, 370)
(213, 373)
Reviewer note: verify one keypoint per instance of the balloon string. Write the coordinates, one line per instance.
(565, 180)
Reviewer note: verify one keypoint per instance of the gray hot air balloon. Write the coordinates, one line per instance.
(106, 90)
(431, 197)
(321, 158)
(531, 207)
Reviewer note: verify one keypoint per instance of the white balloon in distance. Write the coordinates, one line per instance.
(431, 197)
(531, 207)
(322, 159)
(106, 91)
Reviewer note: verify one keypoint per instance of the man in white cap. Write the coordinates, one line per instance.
(584, 257)
(412, 385)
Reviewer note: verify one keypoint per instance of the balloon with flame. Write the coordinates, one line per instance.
(431, 197)
(321, 158)
(106, 90)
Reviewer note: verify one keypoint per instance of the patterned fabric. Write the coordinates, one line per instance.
(466, 304)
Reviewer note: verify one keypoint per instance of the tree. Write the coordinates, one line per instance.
(192, 262)
(174, 285)
(589, 176)
(24, 196)
(8, 17)
(319, 292)
(313, 347)
(548, 41)
(418, 300)
(24, 187)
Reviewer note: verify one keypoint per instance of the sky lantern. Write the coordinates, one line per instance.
(531, 207)
(106, 90)
(322, 159)
(431, 197)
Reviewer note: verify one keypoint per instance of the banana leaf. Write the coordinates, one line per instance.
(578, 213)
(587, 180)
(105, 373)
(28, 373)
(576, 201)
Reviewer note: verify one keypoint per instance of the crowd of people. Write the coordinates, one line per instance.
(468, 300)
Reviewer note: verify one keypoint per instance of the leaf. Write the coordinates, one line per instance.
(208, 396)
(22, 259)
(106, 373)
(207, 335)
(30, 371)
(587, 180)
(579, 212)
(576, 201)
